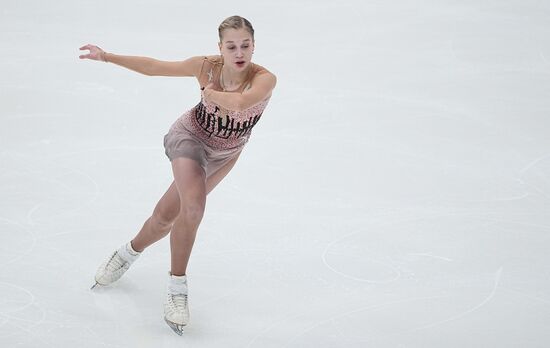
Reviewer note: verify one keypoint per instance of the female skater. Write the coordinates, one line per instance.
(202, 145)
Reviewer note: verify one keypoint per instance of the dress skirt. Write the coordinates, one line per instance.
(180, 142)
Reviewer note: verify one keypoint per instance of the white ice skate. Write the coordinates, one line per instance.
(176, 309)
(114, 267)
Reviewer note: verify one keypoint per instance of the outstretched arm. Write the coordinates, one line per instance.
(146, 65)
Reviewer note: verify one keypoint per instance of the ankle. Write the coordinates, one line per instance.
(177, 284)
(173, 274)
(132, 247)
(128, 253)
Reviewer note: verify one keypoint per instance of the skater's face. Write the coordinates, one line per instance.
(237, 47)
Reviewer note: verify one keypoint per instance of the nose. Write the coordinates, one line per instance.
(239, 53)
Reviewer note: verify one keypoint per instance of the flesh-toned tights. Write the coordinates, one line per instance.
(180, 210)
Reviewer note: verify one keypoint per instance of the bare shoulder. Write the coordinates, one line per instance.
(214, 59)
(261, 70)
(260, 87)
(265, 76)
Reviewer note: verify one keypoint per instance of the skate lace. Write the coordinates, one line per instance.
(115, 263)
(177, 302)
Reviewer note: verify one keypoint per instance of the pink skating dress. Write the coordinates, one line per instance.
(208, 133)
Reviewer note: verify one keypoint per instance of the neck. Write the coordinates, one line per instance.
(230, 77)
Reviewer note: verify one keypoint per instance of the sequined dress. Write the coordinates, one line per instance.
(209, 133)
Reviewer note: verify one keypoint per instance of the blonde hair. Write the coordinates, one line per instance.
(235, 22)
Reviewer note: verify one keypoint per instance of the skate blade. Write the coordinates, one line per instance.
(178, 328)
(93, 286)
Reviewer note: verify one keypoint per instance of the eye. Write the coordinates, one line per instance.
(231, 48)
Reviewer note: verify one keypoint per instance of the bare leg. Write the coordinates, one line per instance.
(215, 178)
(167, 209)
(190, 180)
(158, 225)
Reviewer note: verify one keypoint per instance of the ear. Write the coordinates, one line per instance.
(220, 46)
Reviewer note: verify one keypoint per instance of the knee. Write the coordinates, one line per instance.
(164, 217)
(192, 213)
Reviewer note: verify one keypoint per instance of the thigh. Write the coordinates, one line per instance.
(214, 179)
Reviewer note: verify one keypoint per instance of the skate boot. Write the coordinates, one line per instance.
(176, 310)
(114, 267)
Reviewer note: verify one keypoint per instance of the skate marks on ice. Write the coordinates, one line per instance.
(432, 256)
(43, 200)
(437, 288)
(535, 175)
(48, 191)
(18, 240)
(409, 144)
(382, 334)
(371, 254)
(379, 272)
(340, 332)
(331, 320)
(34, 190)
(91, 191)
(18, 314)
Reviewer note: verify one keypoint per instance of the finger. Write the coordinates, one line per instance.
(84, 56)
(85, 47)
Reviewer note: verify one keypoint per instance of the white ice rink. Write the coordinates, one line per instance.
(396, 192)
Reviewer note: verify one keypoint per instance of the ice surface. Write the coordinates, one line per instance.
(396, 192)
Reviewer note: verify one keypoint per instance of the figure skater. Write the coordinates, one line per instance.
(203, 145)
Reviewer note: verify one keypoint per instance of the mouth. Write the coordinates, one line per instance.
(240, 63)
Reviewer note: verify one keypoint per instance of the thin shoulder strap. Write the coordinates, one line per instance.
(207, 73)
(202, 66)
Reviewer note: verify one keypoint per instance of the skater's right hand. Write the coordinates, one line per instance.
(96, 53)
